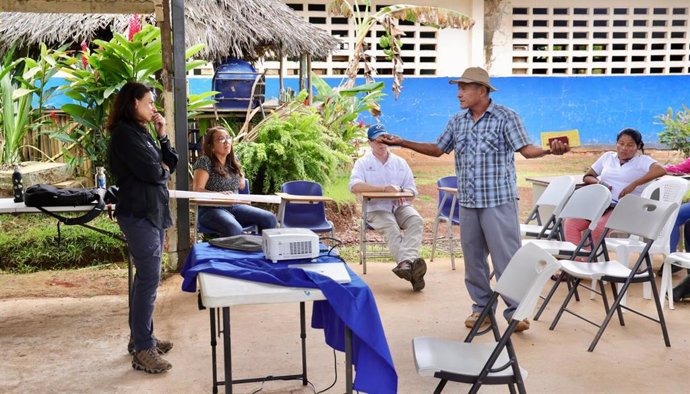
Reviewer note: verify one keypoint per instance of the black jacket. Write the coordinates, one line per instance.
(135, 161)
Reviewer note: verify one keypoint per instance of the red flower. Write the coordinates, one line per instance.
(306, 101)
(134, 26)
(53, 116)
(84, 52)
(361, 123)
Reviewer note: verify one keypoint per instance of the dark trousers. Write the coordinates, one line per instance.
(145, 244)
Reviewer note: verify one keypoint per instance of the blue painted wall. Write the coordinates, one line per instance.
(597, 106)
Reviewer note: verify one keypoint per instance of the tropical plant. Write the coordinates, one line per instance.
(95, 76)
(391, 43)
(38, 73)
(20, 80)
(15, 102)
(340, 108)
(676, 132)
(296, 147)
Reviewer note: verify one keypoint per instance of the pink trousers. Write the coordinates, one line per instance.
(575, 227)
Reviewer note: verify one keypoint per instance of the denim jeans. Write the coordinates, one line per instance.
(229, 221)
(145, 244)
(683, 216)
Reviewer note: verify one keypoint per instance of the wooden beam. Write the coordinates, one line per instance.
(79, 6)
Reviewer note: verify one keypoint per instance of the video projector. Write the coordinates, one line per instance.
(290, 244)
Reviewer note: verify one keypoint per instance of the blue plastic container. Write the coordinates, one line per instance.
(233, 80)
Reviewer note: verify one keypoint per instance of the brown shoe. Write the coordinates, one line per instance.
(404, 270)
(418, 272)
(150, 361)
(522, 326)
(472, 320)
(162, 345)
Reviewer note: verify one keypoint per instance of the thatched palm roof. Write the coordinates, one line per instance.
(235, 28)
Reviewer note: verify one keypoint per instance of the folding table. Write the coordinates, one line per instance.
(347, 312)
(8, 206)
(222, 292)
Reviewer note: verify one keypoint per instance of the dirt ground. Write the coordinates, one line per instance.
(66, 331)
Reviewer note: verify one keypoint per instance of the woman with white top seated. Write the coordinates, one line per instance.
(625, 171)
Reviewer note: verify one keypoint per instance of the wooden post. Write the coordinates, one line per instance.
(302, 72)
(162, 12)
(280, 71)
(181, 207)
(309, 96)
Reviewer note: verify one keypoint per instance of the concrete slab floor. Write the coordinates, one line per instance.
(70, 345)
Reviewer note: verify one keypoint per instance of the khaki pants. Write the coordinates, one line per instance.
(405, 244)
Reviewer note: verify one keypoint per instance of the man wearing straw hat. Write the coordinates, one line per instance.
(485, 137)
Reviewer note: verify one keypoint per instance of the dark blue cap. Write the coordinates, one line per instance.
(375, 131)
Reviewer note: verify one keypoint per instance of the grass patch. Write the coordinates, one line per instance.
(29, 243)
(339, 190)
(350, 254)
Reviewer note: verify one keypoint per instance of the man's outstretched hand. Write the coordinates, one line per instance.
(389, 139)
(559, 147)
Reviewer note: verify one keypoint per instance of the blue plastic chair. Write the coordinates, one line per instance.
(306, 215)
(207, 231)
(448, 212)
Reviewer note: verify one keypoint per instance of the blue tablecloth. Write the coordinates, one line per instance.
(352, 304)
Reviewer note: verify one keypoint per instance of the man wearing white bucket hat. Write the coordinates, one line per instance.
(485, 137)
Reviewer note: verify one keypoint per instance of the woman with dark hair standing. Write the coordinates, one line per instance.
(219, 171)
(625, 171)
(142, 168)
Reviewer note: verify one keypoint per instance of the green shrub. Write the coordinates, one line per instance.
(676, 132)
(297, 147)
(29, 243)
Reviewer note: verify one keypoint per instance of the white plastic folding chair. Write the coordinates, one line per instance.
(552, 200)
(588, 203)
(490, 362)
(667, 189)
(634, 215)
(676, 258)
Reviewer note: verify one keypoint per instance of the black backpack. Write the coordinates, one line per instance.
(40, 196)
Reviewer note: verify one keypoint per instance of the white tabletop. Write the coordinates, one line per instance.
(184, 194)
(7, 205)
(219, 291)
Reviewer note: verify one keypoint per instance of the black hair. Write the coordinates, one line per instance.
(635, 135)
(122, 109)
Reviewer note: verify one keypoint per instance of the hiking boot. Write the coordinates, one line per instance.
(418, 272)
(403, 270)
(149, 360)
(522, 326)
(472, 320)
(162, 345)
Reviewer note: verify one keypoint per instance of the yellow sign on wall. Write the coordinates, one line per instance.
(573, 137)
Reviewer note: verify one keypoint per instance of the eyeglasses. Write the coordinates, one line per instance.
(224, 139)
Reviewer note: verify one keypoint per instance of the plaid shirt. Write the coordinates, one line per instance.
(485, 155)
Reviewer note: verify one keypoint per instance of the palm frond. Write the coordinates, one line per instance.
(437, 17)
(339, 8)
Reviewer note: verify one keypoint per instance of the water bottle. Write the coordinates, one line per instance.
(100, 177)
(17, 185)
